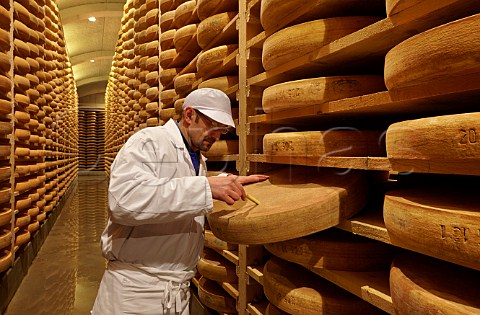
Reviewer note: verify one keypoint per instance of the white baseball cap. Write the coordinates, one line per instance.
(213, 103)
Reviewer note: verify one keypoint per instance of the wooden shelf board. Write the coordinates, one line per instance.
(368, 223)
(370, 42)
(256, 272)
(230, 255)
(231, 288)
(224, 158)
(257, 308)
(362, 163)
(372, 287)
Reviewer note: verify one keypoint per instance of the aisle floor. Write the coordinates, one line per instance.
(64, 277)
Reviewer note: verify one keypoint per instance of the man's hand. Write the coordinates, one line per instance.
(230, 189)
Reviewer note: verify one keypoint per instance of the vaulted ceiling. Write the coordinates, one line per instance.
(91, 45)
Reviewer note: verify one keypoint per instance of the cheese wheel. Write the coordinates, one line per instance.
(222, 147)
(309, 199)
(212, 60)
(423, 285)
(297, 291)
(221, 83)
(167, 75)
(152, 78)
(5, 85)
(167, 57)
(214, 297)
(395, 6)
(186, 13)
(437, 59)
(446, 218)
(151, 48)
(167, 113)
(184, 83)
(214, 267)
(298, 40)
(178, 105)
(321, 144)
(213, 26)
(334, 250)
(275, 14)
(442, 144)
(151, 33)
(207, 8)
(151, 18)
(213, 242)
(166, 21)
(166, 5)
(5, 195)
(4, 62)
(167, 97)
(186, 39)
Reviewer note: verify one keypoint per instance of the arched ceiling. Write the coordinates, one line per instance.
(91, 45)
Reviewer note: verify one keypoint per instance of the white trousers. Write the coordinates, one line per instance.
(131, 291)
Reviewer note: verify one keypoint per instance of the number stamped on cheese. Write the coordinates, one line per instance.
(460, 234)
(469, 136)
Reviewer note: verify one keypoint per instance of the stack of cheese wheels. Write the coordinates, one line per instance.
(446, 218)
(335, 250)
(186, 44)
(213, 296)
(423, 285)
(276, 14)
(214, 267)
(219, 42)
(310, 200)
(442, 144)
(147, 52)
(298, 40)
(316, 91)
(317, 145)
(298, 291)
(222, 148)
(438, 61)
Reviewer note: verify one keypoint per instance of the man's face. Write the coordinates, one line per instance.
(203, 131)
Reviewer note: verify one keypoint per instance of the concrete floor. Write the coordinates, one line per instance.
(65, 275)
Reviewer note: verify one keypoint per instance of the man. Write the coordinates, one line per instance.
(158, 196)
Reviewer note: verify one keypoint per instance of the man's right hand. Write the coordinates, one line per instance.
(226, 188)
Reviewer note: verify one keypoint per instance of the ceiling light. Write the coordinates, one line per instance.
(92, 19)
(92, 60)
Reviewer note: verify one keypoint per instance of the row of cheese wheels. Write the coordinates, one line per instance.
(425, 64)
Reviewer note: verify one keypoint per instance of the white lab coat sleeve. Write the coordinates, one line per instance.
(144, 188)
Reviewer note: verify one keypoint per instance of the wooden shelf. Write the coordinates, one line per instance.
(371, 42)
(224, 158)
(361, 163)
(368, 223)
(256, 272)
(231, 288)
(257, 308)
(230, 255)
(372, 287)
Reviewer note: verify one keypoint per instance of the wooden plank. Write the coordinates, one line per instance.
(371, 42)
(257, 308)
(369, 223)
(372, 287)
(224, 158)
(231, 288)
(256, 272)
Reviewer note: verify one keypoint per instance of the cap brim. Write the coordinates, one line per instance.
(218, 116)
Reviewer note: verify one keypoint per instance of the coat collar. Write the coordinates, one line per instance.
(174, 131)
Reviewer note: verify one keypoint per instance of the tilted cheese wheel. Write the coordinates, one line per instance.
(207, 8)
(423, 285)
(335, 250)
(446, 218)
(213, 26)
(275, 13)
(321, 144)
(214, 267)
(166, 5)
(186, 39)
(298, 291)
(298, 40)
(442, 144)
(213, 60)
(214, 297)
(184, 83)
(213, 242)
(186, 13)
(166, 21)
(221, 83)
(223, 147)
(309, 199)
(167, 57)
(437, 59)
(167, 75)
(167, 113)
(167, 97)
(4, 62)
